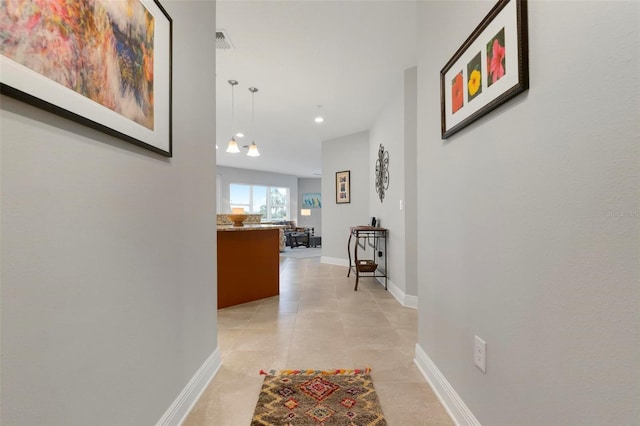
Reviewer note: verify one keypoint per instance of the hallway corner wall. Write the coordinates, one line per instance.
(529, 232)
(109, 254)
(388, 131)
(411, 180)
(395, 129)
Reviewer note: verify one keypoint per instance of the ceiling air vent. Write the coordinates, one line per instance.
(222, 40)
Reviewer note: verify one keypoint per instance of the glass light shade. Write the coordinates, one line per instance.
(318, 119)
(233, 146)
(253, 150)
(305, 212)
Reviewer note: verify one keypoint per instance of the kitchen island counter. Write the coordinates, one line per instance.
(248, 227)
(248, 263)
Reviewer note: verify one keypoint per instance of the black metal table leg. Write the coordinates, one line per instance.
(355, 253)
(349, 253)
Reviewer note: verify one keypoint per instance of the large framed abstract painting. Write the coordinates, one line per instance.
(491, 67)
(103, 63)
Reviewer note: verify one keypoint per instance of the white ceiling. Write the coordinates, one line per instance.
(348, 56)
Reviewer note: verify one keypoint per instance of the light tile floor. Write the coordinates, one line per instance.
(319, 322)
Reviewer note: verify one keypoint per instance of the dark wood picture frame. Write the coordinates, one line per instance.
(20, 81)
(490, 68)
(343, 187)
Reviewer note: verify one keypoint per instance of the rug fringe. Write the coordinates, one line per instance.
(336, 372)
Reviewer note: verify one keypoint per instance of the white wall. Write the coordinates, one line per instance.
(395, 129)
(306, 185)
(411, 180)
(528, 230)
(108, 254)
(388, 130)
(229, 175)
(346, 153)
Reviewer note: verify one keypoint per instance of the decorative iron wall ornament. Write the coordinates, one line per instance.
(382, 172)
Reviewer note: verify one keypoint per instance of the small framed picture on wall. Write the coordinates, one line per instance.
(343, 187)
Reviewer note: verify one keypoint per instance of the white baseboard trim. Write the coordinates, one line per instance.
(455, 406)
(180, 408)
(334, 261)
(405, 300)
(411, 301)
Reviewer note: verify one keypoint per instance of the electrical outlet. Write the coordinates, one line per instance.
(480, 354)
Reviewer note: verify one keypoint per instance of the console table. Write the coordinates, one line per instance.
(367, 268)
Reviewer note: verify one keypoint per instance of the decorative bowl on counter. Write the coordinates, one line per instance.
(237, 219)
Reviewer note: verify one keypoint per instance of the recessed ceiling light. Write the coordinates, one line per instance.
(240, 135)
(319, 118)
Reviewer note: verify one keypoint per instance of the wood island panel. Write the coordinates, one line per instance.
(248, 265)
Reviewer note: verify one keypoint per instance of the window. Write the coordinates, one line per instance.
(269, 201)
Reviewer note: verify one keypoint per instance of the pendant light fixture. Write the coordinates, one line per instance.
(232, 146)
(253, 148)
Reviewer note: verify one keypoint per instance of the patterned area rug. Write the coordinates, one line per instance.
(318, 398)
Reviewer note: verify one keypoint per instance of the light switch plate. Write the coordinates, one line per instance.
(480, 354)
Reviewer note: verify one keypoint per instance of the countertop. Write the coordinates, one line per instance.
(248, 227)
